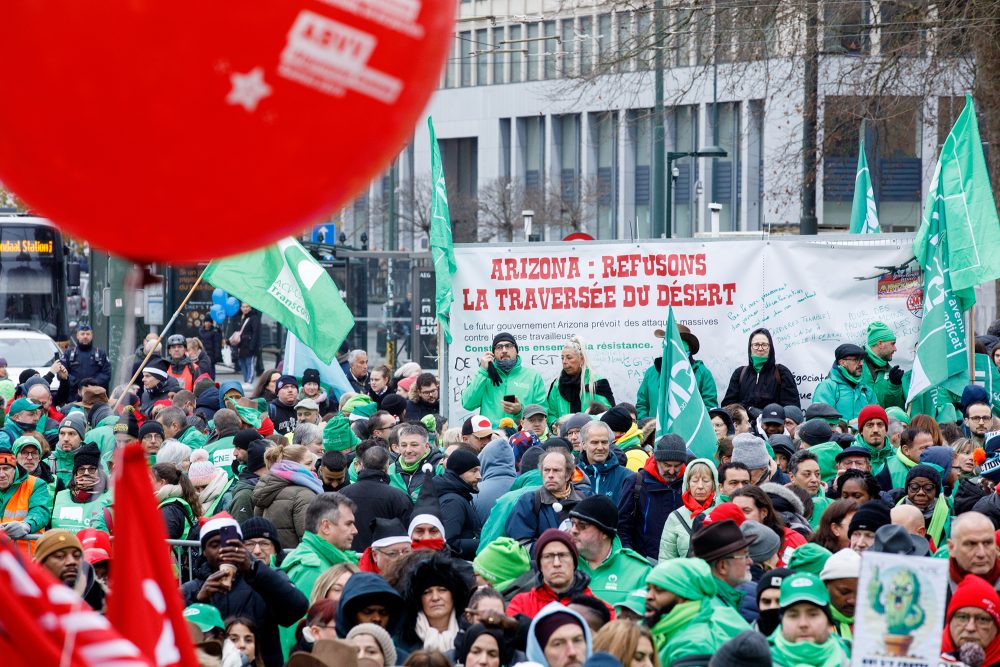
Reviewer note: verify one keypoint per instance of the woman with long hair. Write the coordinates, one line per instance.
(266, 386)
(757, 506)
(631, 643)
(832, 531)
(283, 494)
(178, 501)
(242, 632)
(436, 593)
(762, 380)
(577, 386)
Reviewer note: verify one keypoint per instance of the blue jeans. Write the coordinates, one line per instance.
(246, 367)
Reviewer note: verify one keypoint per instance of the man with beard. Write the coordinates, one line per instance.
(723, 546)
(876, 372)
(501, 376)
(657, 493)
(455, 488)
(61, 553)
(22, 418)
(840, 575)
(683, 613)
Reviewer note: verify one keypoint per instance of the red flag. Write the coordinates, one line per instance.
(144, 602)
(45, 623)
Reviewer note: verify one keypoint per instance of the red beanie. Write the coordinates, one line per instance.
(974, 591)
(725, 511)
(872, 412)
(554, 535)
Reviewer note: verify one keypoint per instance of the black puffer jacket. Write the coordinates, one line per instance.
(375, 498)
(461, 523)
(264, 595)
(774, 384)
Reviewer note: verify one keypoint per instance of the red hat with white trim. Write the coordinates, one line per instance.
(211, 525)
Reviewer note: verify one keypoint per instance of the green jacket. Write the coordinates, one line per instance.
(39, 502)
(303, 565)
(937, 402)
(622, 572)
(712, 626)
(820, 503)
(481, 394)
(220, 454)
(500, 512)
(875, 374)
(559, 406)
(648, 399)
(899, 466)
(193, 438)
(675, 540)
(879, 456)
(845, 396)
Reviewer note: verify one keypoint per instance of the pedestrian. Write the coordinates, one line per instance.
(417, 460)
(558, 637)
(284, 494)
(698, 495)
(424, 397)
(455, 488)
(626, 434)
(548, 506)
(578, 387)
(599, 461)
(558, 577)
(806, 637)
(211, 340)
(648, 398)
(25, 500)
(435, 594)
(312, 388)
(843, 388)
(357, 371)
(972, 619)
(378, 385)
(196, 353)
(497, 461)
(244, 341)
(282, 409)
(181, 367)
(658, 491)
(630, 643)
(81, 505)
(86, 360)
(762, 380)
(885, 380)
(374, 496)
(502, 385)
(177, 501)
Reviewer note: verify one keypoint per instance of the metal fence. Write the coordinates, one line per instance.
(184, 552)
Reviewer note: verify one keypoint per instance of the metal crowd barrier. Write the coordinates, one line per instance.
(184, 552)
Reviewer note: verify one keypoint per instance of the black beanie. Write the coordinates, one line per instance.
(258, 526)
(870, 516)
(598, 510)
(243, 438)
(771, 579)
(618, 419)
(255, 455)
(88, 455)
(503, 337)
(462, 461)
(127, 423)
(150, 426)
(394, 404)
(925, 471)
(747, 649)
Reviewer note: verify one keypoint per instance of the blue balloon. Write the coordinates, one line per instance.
(217, 313)
(219, 296)
(232, 306)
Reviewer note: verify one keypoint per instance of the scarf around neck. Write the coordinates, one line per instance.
(411, 468)
(674, 622)
(436, 640)
(848, 378)
(806, 654)
(758, 362)
(294, 473)
(693, 505)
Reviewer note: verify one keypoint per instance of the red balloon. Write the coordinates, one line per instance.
(185, 130)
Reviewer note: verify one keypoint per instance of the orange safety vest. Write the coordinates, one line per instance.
(186, 378)
(16, 509)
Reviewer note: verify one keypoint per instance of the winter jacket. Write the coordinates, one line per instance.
(647, 401)
(773, 384)
(535, 652)
(179, 519)
(86, 361)
(461, 523)
(676, 538)
(879, 456)
(845, 396)
(283, 416)
(283, 503)
(211, 340)
(410, 483)
(525, 524)
(241, 506)
(497, 468)
(359, 385)
(622, 572)
(35, 510)
(192, 437)
(417, 410)
(207, 404)
(375, 498)
(642, 516)
(875, 374)
(250, 337)
(531, 602)
(563, 396)
(363, 591)
(496, 523)
(611, 478)
(161, 392)
(220, 452)
(264, 595)
(481, 394)
(893, 474)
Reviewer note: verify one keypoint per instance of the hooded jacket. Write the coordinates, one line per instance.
(611, 478)
(207, 404)
(531, 602)
(264, 595)
(368, 589)
(481, 394)
(39, 503)
(676, 538)
(773, 384)
(375, 498)
(648, 399)
(535, 651)
(643, 514)
(461, 523)
(283, 502)
(622, 572)
(497, 467)
(846, 397)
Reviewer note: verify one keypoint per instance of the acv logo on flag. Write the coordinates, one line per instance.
(289, 283)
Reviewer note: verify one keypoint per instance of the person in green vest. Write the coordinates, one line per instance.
(912, 443)
(151, 437)
(683, 613)
(873, 424)
(220, 445)
(329, 532)
(648, 399)
(804, 471)
(72, 430)
(614, 571)
(577, 387)
(82, 504)
(177, 501)
(806, 635)
(175, 427)
(417, 459)
(843, 388)
(723, 546)
(840, 575)
(885, 380)
(502, 374)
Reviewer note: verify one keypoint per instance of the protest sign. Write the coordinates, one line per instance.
(813, 294)
(900, 611)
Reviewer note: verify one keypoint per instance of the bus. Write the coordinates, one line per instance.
(35, 275)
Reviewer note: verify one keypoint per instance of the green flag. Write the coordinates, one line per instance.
(442, 249)
(864, 214)
(680, 408)
(967, 201)
(284, 281)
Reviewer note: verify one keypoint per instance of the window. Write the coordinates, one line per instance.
(685, 171)
(499, 59)
(726, 181)
(606, 186)
(642, 139)
(532, 131)
(948, 111)
(449, 67)
(901, 28)
(569, 160)
(585, 45)
(604, 39)
(534, 46)
(568, 48)
(626, 43)
(550, 49)
(482, 57)
(645, 43)
(505, 171)
(515, 48)
(465, 43)
(679, 39)
(846, 26)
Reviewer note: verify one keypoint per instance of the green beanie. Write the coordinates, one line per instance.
(809, 558)
(501, 562)
(366, 410)
(690, 578)
(899, 414)
(355, 402)
(338, 436)
(877, 332)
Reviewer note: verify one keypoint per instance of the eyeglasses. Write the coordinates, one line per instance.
(396, 553)
(745, 556)
(760, 346)
(557, 555)
(30, 454)
(916, 488)
(981, 620)
(504, 346)
(980, 419)
(427, 393)
(255, 543)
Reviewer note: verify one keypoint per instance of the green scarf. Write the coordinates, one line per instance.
(850, 379)
(879, 456)
(878, 361)
(842, 623)
(901, 457)
(729, 595)
(412, 467)
(939, 519)
(806, 654)
(331, 554)
(674, 622)
(758, 362)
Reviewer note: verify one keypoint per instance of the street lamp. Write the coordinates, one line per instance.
(707, 151)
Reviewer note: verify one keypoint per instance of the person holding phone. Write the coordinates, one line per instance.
(237, 584)
(503, 385)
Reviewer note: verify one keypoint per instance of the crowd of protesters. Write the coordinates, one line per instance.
(551, 527)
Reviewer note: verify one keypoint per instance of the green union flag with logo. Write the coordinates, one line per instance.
(681, 409)
(864, 212)
(287, 283)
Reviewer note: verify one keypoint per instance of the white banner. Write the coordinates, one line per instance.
(811, 294)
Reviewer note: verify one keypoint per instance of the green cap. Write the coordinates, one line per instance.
(205, 616)
(878, 332)
(501, 562)
(634, 601)
(899, 414)
(23, 405)
(338, 436)
(366, 410)
(803, 587)
(356, 401)
(809, 558)
(25, 441)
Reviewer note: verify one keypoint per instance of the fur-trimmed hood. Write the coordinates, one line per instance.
(772, 489)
